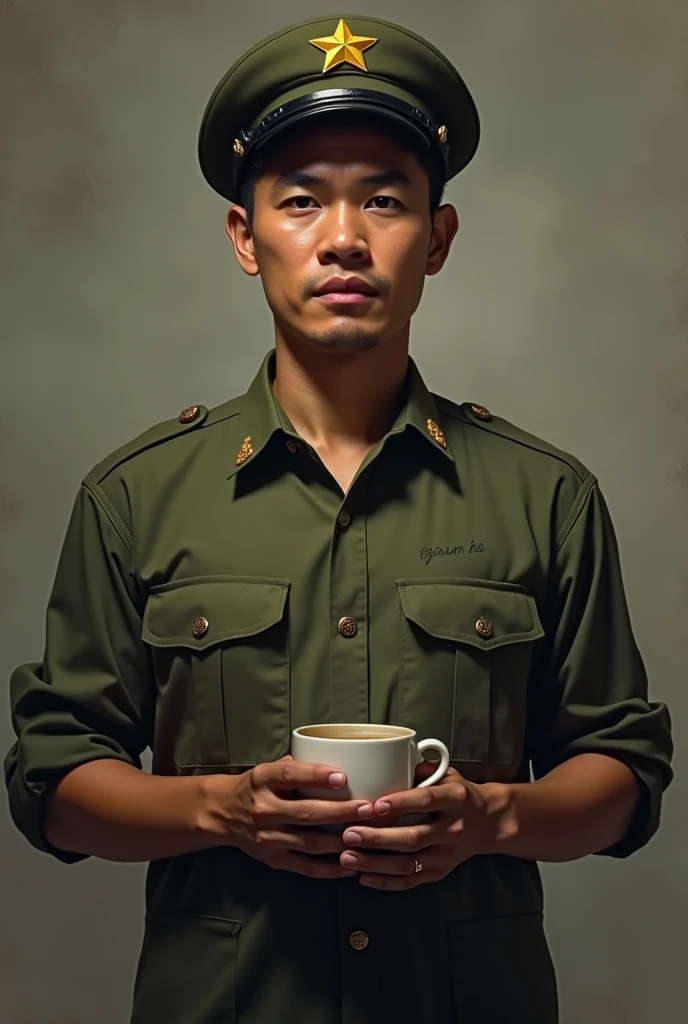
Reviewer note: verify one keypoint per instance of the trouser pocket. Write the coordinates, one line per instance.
(187, 970)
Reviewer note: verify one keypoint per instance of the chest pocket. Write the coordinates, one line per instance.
(466, 649)
(220, 649)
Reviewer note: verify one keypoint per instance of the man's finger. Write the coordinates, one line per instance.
(323, 812)
(449, 796)
(380, 864)
(400, 883)
(425, 768)
(308, 840)
(408, 839)
(290, 774)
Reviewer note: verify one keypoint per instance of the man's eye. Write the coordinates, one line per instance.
(387, 200)
(381, 202)
(299, 199)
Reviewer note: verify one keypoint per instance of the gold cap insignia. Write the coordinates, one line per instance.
(481, 412)
(343, 48)
(244, 451)
(435, 432)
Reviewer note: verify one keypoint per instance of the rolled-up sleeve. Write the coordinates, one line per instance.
(92, 696)
(589, 689)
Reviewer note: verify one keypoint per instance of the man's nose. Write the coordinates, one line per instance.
(343, 236)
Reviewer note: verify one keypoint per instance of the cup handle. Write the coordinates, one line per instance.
(444, 760)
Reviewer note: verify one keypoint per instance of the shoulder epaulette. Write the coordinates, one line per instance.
(188, 419)
(479, 416)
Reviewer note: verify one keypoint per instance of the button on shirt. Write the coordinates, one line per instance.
(215, 582)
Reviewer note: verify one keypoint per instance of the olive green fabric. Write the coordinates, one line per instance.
(286, 66)
(498, 525)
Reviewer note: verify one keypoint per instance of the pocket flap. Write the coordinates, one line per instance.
(451, 608)
(234, 606)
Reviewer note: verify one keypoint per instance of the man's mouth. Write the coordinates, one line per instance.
(345, 290)
(344, 297)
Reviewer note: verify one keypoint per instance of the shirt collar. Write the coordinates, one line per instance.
(420, 411)
(262, 416)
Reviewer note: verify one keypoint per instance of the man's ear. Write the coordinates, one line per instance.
(240, 235)
(444, 229)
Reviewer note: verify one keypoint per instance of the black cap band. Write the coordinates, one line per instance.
(428, 134)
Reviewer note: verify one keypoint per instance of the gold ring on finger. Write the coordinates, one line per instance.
(419, 866)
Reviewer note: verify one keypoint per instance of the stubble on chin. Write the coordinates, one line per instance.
(355, 339)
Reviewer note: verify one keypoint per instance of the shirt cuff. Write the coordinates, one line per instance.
(645, 820)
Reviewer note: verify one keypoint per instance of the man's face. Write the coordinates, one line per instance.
(339, 203)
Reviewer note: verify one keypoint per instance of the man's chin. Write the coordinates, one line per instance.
(350, 339)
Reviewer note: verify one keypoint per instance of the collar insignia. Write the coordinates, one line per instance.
(244, 451)
(435, 432)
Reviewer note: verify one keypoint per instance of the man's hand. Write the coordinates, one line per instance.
(258, 813)
(465, 822)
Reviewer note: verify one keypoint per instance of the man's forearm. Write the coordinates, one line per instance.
(582, 806)
(110, 809)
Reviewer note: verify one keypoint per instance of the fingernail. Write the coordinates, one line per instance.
(348, 873)
(349, 859)
(365, 811)
(382, 807)
(336, 779)
(352, 837)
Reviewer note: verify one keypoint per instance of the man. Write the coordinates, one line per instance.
(338, 545)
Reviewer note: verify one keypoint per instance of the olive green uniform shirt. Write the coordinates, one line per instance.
(197, 610)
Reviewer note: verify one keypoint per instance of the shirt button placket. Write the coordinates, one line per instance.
(360, 966)
(348, 618)
(359, 955)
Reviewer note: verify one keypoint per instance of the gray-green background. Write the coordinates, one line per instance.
(564, 307)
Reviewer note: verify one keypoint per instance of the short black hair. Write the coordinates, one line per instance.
(428, 159)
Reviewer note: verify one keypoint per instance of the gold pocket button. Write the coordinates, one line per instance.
(484, 626)
(200, 627)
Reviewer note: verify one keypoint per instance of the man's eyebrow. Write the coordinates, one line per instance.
(395, 177)
(301, 178)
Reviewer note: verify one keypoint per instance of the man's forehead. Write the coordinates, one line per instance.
(350, 148)
(358, 174)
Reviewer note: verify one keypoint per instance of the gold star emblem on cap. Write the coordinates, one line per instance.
(343, 47)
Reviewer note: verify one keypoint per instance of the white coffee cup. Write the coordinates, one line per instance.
(377, 759)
